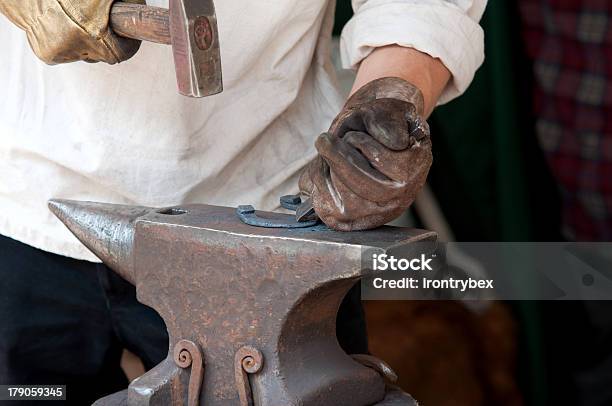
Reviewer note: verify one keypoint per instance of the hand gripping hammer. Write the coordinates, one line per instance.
(190, 26)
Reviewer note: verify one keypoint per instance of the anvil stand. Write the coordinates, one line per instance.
(250, 311)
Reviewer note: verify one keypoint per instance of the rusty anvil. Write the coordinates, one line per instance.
(190, 26)
(250, 311)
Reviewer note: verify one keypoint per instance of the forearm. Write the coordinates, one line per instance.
(426, 73)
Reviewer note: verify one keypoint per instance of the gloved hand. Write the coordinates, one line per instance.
(374, 159)
(61, 31)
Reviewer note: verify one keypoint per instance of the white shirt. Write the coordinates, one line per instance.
(122, 134)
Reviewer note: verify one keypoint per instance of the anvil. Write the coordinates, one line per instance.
(250, 311)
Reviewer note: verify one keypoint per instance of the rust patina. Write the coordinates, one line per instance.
(250, 311)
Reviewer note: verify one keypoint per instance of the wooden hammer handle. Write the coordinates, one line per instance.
(141, 22)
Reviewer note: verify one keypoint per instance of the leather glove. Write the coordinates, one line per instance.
(61, 31)
(374, 159)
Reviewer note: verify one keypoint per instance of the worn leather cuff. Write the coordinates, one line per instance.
(383, 88)
(389, 88)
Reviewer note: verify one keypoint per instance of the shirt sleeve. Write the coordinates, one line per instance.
(444, 29)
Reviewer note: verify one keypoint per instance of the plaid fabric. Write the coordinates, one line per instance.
(570, 42)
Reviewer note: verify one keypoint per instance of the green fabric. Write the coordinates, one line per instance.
(482, 152)
(480, 129)
(344, 11)
(485, 143)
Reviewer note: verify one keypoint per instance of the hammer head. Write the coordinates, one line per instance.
(195, 45)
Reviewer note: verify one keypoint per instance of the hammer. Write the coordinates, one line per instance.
(190, 26)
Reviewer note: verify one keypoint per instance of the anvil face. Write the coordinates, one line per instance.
(227, 288)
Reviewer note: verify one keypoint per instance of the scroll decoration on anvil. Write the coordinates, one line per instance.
(250, 311)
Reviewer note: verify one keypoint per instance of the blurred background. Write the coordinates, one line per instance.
(524, 155)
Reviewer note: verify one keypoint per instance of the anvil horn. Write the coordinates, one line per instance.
(106, 229)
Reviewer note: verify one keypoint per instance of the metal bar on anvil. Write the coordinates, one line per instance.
(250, 311)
